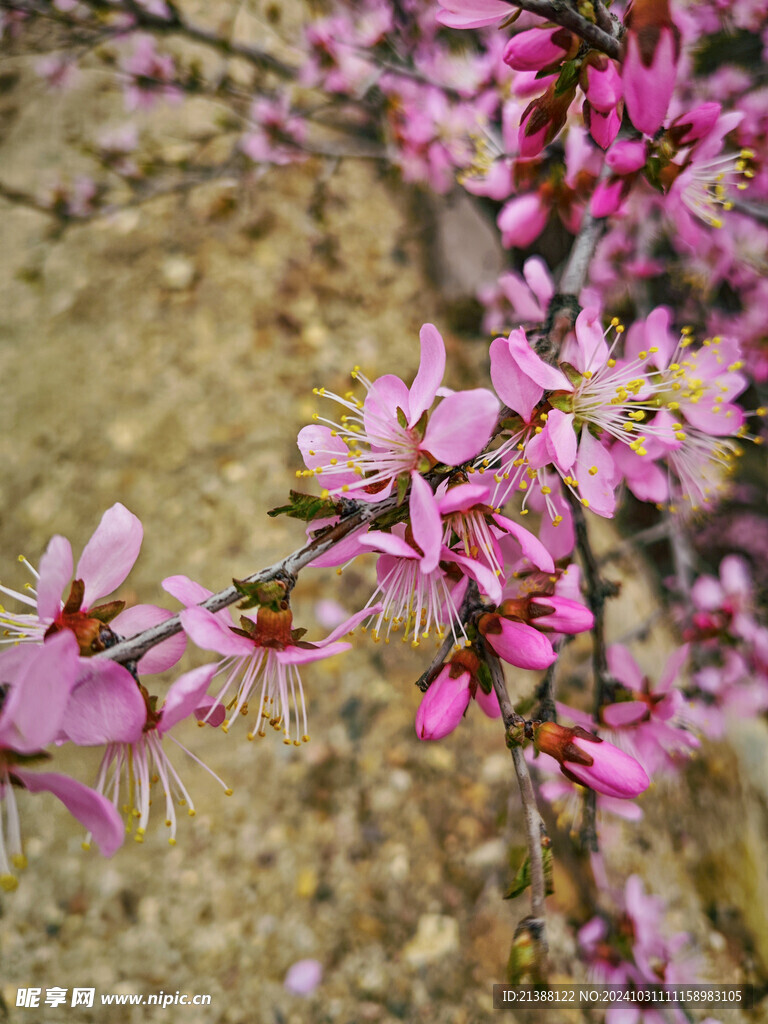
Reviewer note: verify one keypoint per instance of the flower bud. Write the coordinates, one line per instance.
(649, 69)
(443, 705)
(561, 614)
(542, 120)
(590, 761)
(537, 48)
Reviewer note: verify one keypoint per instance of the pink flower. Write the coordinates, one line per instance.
(33, 703)
(265, 651)
(415, 588)
(107, 707)
(106, 561)
(585, 758)
(391, 433)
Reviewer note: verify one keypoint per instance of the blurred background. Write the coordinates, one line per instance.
(164, 357)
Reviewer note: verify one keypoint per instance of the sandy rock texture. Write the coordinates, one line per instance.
(164, 357)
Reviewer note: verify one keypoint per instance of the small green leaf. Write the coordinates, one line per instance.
(307, 507)
(484, 678)
(403, 483)
(568, 77)
(402, 419)
(262, 593)
(522, 879)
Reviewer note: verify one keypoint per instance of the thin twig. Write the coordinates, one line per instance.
(534, 824)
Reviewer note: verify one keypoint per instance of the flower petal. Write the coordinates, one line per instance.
(185, 696)
(55, 574)
(522, 645)
(461, 426)
(110, 554)
(139, 617)
(35, 704)
(513, 385)
(209, 632)
(186, 590)
(431, 370)
(91, 809)
(106, 706)
(425, 522)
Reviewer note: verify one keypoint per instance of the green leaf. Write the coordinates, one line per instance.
(484, 678)
(263, 593)
(307, 507)
(568, 77)
(403, 483)
(522, 879)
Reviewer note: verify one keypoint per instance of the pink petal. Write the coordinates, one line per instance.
(305, 655)
(488, 702)
(532, 547)
(185, 696)
(513, 385)
(303, 977)
(139, 617)
(561, 439)
(538, 279)
(425, 522)
(34, 706)
(462, 497)
(431, 370)
(672, 668)
(91, 809)
(546, 376)
(350, 624)
(485, 578)
(471, 13)
(210, 633)
(389, 543)
(186, 590)
(387, 394)
(624, 713)
(210, 711)
(55, 574)
(718, 423)
(624, 667)
(522, 645)
(318, 446)
(461, 426)
(105, 707)
(597, 488)
(110, 554)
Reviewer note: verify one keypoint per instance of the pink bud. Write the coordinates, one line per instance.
(603, 86)
(695, 124)
(522, 220)
(607, 197)
(443, 705)
(585, 758)
(627, 156)
(561, 615)
(602, 127)
(649, 69)
(542, 120)
(537, 48)
(612, 772)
